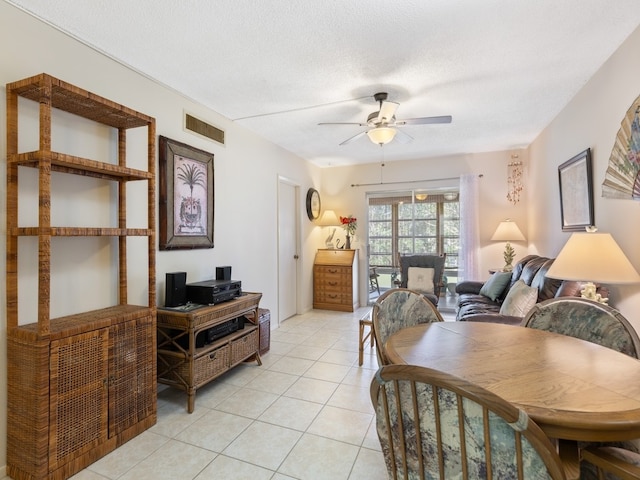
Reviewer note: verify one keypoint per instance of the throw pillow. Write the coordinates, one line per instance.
(420, 279)
(496, 284)
(520, 299)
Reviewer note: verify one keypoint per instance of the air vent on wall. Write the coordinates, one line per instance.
(200, 127)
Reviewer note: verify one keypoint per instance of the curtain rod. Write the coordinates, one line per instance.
(480, 175)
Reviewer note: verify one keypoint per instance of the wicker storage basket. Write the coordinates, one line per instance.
(244, 347)
(212, 364)
(264, 322)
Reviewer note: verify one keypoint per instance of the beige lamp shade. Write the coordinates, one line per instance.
(381, 135)
(508, 231)
(329, 219)
(593, 257)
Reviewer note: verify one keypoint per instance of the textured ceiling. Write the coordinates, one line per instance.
(502, 68)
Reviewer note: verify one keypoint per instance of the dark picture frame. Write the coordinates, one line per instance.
(576, 192)
(186, 196)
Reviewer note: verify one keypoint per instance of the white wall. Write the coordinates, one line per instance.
(591, 119)
(246, 180)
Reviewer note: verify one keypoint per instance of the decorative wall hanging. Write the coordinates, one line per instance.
(576, 192)
(622, 177)
(186, 196)
(514, 179)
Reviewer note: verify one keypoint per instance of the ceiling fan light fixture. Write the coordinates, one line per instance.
(381, 135)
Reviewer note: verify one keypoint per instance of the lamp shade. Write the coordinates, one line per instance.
(329, 219)
(508, 231)
(594, 257)
(381, 135)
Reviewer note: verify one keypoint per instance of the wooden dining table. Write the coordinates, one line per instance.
(573, 389)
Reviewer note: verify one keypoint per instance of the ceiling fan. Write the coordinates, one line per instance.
(383, 123)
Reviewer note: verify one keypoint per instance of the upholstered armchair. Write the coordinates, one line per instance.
(433, 425)
(424, 274)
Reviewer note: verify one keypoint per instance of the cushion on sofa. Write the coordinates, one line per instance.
(520, 299)
(547, 287)
(531, 269)
(496, 284)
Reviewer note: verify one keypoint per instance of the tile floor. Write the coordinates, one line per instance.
(304, 414)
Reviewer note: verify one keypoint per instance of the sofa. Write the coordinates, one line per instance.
(507, 296)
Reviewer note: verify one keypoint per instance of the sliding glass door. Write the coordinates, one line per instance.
(411, 222)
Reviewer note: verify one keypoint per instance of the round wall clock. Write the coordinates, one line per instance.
(313, 204)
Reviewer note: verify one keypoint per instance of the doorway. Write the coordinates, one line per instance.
(288, 235)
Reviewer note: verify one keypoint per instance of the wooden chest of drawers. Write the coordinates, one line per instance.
(335, 280)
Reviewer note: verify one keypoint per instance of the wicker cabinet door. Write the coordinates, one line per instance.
(132, 374)
(78, 405)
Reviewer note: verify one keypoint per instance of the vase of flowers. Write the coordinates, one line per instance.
(349, 224)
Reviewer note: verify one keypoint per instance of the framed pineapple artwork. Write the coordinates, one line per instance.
(186, 196)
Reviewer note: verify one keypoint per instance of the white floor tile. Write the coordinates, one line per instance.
(264, 445)
(312, 389)
(226, 468)
(340, 424)
(171, 461)
(291, 413)
(319, 458)
(305, 414)
(214, 431)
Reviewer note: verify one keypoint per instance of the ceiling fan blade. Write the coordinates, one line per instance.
(343, 123)
(403, 137)
(425, 120)
(387, 111)
(351, 139)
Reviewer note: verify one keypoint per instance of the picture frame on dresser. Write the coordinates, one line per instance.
(186, 196)
(576, 192)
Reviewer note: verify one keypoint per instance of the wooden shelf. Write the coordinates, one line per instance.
(81, 232)
(71, 164)
(72, 99)
(86, 321)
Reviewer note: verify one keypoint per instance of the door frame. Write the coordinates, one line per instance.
(296, 186)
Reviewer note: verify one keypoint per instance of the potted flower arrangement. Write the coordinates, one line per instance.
(349, 224)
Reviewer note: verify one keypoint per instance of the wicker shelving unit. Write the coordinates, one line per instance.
(80, 385)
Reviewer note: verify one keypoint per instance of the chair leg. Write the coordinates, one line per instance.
(363, 338)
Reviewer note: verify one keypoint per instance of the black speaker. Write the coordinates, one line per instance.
(176, 289)
(223, 273)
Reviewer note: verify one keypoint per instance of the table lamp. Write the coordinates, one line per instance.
(508, 231)
(593, 257)
(329, 219)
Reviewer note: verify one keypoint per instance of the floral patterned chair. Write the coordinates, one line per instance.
(603, 325)
(586, 320)
(399, 308)
(433, 425)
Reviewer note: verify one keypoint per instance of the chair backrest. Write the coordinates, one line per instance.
(587, 320)
(424, 261)
(399, 308)
(434, 425)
